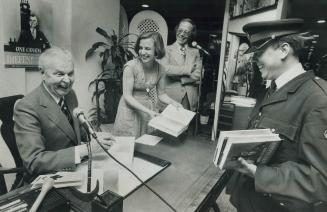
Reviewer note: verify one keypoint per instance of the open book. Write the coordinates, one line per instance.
(172, 120)
(61, 179)
(257, 145)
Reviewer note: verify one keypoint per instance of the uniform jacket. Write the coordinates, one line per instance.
(297, 174)
(178, 82)
(44, 136)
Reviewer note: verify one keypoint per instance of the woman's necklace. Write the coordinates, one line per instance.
(152, 91)
(151, 77)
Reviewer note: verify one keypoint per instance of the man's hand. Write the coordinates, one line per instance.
(245, 167)
(106, 139)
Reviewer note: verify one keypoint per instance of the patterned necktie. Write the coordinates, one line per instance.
(183, 51)
(65, 110)
(272, 88)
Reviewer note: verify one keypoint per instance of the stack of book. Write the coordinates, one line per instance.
(257, 145)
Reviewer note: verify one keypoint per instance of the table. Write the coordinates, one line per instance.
(145, 166)
(190, 183)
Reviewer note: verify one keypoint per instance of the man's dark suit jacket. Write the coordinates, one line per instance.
(44, 136)
(40, 41)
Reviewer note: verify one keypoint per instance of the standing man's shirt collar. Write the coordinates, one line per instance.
(289, 75)
(55, 98)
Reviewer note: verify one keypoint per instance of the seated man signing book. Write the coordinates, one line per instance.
(295, 105)
(48, 136)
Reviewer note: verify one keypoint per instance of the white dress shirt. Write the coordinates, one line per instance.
(289, 75)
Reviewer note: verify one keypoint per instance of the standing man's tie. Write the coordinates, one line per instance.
(65, 110)
(183, 53)
(272, 88)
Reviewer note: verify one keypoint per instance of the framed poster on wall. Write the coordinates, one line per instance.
(23, 49)
(245, 7)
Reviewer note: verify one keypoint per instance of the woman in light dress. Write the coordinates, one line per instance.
(143, 84)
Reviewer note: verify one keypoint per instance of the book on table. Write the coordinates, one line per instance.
(256, 145)
(172, 120)
(61, 179)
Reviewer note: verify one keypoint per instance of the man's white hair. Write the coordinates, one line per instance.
(53, 56)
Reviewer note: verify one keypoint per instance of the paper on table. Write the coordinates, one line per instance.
(148, 140)
(142, 168)
(123, 150)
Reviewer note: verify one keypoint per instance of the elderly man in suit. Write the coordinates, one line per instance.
(183, 66)
(295, 106)
(47, 135)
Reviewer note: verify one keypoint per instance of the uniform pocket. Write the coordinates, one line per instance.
(285, 129)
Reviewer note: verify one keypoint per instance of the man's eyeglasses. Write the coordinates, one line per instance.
(185, 32)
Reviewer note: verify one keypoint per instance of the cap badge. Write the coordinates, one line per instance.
(325, 134)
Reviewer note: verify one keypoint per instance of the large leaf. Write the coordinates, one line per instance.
(98, 44)
(89, 53)
(106, 55)
(126, 35)
(99, 93)
(94, 47)
(103, 33)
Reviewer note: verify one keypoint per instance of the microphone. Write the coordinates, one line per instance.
(47, 185)
(195, 45)
(79, 114)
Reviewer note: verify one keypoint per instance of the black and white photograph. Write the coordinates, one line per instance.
(182, 106)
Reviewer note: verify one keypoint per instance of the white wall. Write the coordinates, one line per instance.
(9, 77)
(69, 24)
(86, 17)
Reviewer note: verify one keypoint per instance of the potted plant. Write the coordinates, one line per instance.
(114, 53)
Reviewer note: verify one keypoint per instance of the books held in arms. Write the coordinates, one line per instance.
(61, 179)
(172, 120)
(257, 145)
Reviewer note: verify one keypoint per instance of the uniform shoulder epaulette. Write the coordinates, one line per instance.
(321, 83)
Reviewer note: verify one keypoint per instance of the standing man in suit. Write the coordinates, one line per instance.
(183, 66)
(295, 106)
(48, 136)
(33, 37)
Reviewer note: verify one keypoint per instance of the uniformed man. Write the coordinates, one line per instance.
(295, 106)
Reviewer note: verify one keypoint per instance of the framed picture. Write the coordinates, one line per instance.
(245, 7)
(24, 38)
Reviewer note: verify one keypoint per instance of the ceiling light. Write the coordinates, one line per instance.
(316, 36)
(314, 41)
(145, 5)
(321, 21)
